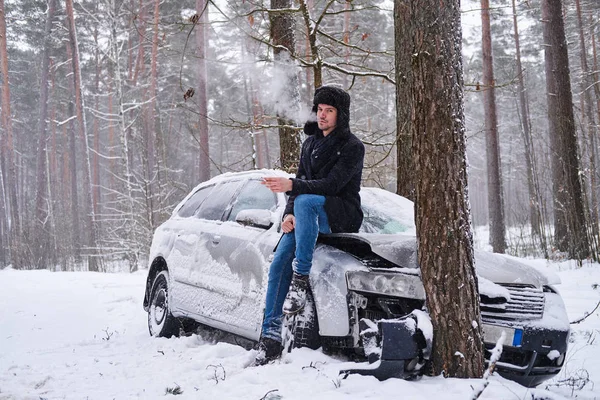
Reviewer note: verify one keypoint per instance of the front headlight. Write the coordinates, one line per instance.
(387, 283)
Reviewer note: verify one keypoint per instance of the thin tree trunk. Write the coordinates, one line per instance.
(249, 104)
(405, 185)
(569, 210)
(76, 228)
(14, 226)
(445, 241)
(595, 75)
(201, 92)
(93, 261)
(494, 166)
(96, 132)
(596, 86)
(311, 30)
(42, 204)
(139, 61)
(587, 84)
(131, 247)
(346, 39)
(537, 225)
(3, 214)
(130, 57)
(257, 119)
(53, 181)
(153, 118)
(111, 136)
(282, 34)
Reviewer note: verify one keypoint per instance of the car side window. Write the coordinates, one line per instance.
(219, 200)
(253, 196)
(194, 202)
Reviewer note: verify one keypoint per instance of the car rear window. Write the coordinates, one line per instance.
(194, 202)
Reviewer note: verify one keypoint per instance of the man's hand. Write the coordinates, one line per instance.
(288, 224)
(278, 185)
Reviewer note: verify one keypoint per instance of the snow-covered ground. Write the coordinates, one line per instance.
(83, 335)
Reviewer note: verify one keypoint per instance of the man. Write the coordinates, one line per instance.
(323, 198)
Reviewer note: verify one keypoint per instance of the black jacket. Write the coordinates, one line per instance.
(331, 166)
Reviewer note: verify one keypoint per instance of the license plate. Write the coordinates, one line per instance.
(492, 333)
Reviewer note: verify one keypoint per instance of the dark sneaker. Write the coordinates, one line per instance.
(268, 350)
(296, 296)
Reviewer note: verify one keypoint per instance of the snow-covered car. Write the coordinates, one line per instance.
(209, 263)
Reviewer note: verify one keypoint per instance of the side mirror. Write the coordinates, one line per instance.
(255, 218)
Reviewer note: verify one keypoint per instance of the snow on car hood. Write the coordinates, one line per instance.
(401, 249)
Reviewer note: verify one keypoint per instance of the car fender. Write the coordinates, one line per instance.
(328, 283)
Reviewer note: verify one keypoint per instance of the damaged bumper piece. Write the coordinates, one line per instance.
(395, 348)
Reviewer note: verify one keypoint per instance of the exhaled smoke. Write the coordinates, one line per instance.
(279, 91)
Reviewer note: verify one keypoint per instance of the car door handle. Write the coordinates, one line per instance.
(216, 239)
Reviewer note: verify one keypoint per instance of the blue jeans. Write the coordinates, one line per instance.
(295, 248)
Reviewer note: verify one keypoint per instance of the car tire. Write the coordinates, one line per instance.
(305, 329)
(161, 323)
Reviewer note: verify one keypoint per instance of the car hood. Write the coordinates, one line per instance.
(401, 249)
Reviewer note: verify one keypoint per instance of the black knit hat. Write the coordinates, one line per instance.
(335, 97)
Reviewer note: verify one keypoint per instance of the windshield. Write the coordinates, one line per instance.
(386, 212)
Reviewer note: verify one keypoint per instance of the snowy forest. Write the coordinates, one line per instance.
(112, 110)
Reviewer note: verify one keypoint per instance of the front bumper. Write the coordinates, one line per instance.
(538, 357)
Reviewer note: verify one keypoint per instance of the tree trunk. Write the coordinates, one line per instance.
(445, 247)
(93, 261)
(3, 213)
(11, 185)
(132, 252)
(595, 75)
(201, 43)
(405, 185)
(587, 84)
(257, 120)
(96, 131)
(535, 212)
(311, 30)
(282, 34)
(153, 118)
(42, 204)
(494, 167)
(346, 39)
(139, 67)
(76, 228)
(569, 209)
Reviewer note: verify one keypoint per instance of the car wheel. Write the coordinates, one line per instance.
(305, 326)
(160, 320)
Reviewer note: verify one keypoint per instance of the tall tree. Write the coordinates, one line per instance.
(445, 241)
(129, 229)
(569, 209)
(403, 55)
(587, 85)
(201, 43)
(93, 261)
(535, 209)
(154, 134)
(42, 203)
(284, 48)
(494, 173)
(10, 181)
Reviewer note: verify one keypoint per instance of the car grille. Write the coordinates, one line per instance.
(526, 302)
